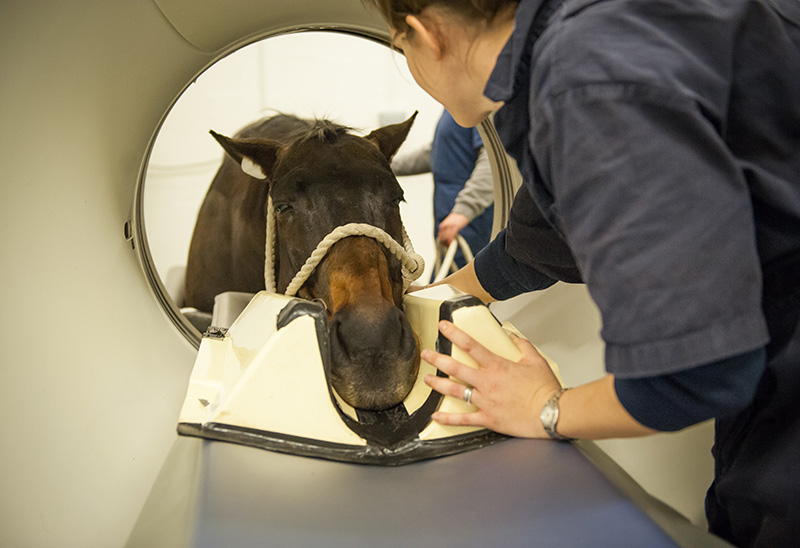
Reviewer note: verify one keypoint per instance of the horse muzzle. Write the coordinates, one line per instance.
(374, 356)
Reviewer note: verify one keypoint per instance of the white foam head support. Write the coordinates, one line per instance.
(252, 168)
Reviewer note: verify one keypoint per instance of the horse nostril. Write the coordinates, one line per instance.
(342, 334)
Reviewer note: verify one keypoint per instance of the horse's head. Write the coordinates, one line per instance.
(322, 178)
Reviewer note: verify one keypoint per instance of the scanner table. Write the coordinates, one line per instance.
(514, 493)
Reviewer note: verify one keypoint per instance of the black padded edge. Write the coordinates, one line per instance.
(407, 453)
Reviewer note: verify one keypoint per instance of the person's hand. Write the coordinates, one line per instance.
(450, 226)
(509, 395)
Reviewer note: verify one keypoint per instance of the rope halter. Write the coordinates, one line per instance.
(412, 263)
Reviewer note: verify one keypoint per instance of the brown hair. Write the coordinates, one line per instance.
(472, 11)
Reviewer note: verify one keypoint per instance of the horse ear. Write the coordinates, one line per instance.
(389, 138)
(256, 156)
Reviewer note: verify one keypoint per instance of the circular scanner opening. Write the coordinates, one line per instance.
(352, 79)
(357, 81)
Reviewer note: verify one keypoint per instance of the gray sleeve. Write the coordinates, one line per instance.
(478, 191)
(413, 163)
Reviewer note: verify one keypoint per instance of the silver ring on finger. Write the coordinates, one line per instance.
(468, 395)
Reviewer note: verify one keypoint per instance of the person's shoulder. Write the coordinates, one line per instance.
(645, 42)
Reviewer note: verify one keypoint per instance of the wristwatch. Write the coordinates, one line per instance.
(549, 416)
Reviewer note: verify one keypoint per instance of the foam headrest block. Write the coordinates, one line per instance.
(264, 382)
(422, 311)
(284, 390)
(479, 323)
(205, 383)
(259, 377)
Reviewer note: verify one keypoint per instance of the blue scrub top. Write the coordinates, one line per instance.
(453, 155)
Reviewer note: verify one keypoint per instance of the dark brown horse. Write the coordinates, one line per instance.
(319, 176)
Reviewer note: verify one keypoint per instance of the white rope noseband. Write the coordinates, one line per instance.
(412, 263)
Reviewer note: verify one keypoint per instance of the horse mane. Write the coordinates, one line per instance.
(324, 131)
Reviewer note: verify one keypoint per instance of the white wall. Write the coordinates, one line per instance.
(356, 82)
(92, 372)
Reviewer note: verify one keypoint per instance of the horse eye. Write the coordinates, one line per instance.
(282, 207)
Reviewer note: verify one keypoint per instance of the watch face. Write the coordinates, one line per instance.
(548, 414)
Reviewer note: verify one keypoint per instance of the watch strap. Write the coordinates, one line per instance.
(549, 416)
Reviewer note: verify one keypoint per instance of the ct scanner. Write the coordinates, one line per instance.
(95, 362)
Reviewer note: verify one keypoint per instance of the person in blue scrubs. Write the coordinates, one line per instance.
(659, 144)
(463, 188)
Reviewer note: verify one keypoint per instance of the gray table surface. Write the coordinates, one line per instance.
(516, 493)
